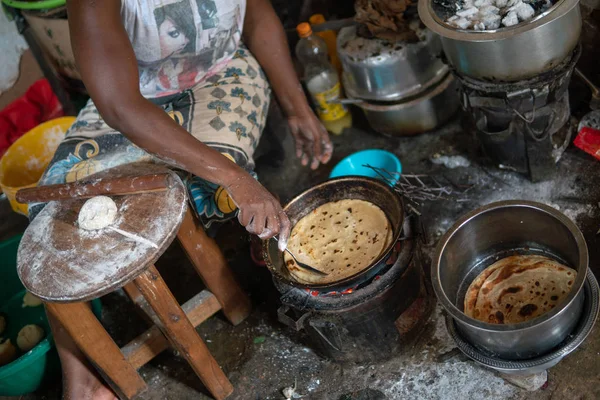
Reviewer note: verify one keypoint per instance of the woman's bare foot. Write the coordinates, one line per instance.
(80, 380)
(88, 387)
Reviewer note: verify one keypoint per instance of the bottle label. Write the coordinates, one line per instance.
(327, 110)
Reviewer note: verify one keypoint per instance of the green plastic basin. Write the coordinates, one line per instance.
(41, 364)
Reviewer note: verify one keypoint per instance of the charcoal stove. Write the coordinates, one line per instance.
(369, 322)
(523, 126)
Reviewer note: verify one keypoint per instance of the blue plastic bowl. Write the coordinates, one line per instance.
(354, 165)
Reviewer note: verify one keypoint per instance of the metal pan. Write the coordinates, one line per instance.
(353, 187)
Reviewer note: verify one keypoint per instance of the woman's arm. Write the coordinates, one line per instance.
(265, 37)
(109, 70)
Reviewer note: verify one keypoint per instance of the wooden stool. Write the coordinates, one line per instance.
(67, 266)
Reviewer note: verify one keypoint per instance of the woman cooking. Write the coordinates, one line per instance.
(171, 80)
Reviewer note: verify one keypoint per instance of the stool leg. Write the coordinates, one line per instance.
(93, 340)
(209, 262)
(177, 328)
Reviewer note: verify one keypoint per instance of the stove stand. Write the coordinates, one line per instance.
(523, 126)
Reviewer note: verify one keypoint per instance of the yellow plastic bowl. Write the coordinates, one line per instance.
(26, 159)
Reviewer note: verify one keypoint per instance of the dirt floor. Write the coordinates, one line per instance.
(261, 356)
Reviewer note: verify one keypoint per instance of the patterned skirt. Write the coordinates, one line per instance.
(226, 111)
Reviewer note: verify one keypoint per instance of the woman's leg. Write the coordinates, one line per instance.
(226, 112)
(80, 380)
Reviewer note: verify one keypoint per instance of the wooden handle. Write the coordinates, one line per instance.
(96, 187)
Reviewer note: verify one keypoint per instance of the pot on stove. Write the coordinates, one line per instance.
(507, 54)
(351, 187)
(356, 319)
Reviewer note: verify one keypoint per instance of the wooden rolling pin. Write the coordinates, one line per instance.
(96, 187)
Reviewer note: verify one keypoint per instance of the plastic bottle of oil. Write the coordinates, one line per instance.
(330, 38)
(321, 80)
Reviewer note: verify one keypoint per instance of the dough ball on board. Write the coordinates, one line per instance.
(8, 352)
(29, 336)
(97, 213)
(30, 300)
(2, 323)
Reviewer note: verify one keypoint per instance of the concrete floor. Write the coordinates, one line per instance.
(261, 356)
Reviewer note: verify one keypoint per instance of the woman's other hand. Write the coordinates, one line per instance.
(312, 140)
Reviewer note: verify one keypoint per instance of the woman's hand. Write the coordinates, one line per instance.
(260, 212)
(265, 37)
(311, 138)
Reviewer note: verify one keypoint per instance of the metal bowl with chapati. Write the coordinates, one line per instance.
(499, 230)
(351, 187)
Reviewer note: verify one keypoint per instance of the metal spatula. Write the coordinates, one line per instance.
(301, 264)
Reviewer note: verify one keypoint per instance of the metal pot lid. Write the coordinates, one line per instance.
(591, 307)
(417, 91)
(432, 17)
(381, 70)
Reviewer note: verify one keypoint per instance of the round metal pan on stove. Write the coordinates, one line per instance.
(352, 187)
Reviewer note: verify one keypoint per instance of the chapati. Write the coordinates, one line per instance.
(340, 238)
(517, 289)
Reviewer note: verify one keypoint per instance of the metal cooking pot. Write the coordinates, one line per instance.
(499, 230)
(420, 114)
(512, 53)
(380, 70)
(352, 187)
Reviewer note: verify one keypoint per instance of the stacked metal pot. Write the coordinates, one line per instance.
(403, 88)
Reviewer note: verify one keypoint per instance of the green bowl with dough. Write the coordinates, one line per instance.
(39, 365)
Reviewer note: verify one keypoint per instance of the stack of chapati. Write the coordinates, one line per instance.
(517, 289)
(339, 238)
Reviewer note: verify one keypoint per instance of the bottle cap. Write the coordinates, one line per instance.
(317, 19)
(304, 29)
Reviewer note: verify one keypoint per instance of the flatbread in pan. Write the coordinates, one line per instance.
(517, 289)
(340, 238)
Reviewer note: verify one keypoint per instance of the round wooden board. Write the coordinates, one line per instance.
(59, 262)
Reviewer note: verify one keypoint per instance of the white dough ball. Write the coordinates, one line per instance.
(8, 352)
(97, 213)
(29, 336)
(30, 300)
